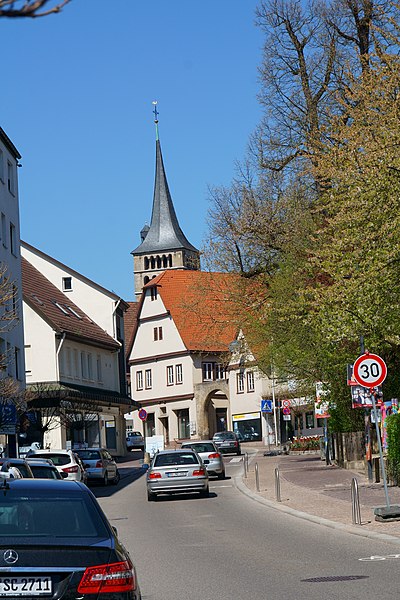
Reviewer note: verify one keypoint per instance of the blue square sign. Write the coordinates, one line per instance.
(266, 406)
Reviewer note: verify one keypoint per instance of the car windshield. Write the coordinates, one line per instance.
(205, 447)
(134, 434)
(58, 459)
(89, 454)
(32, 513)
(164, 460)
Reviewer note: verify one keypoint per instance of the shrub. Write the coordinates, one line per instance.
(393, 453)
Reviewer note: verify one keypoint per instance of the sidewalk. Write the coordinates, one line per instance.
(317, 492)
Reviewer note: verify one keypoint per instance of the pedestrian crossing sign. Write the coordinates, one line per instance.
(266, 406)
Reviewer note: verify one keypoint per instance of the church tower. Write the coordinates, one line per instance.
(164, 245)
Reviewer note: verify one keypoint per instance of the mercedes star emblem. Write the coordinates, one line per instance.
(10, 557)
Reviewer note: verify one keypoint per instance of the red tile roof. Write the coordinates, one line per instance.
(202, 307)
(59, 312)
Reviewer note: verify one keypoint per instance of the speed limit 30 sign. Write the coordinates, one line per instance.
(369, 370)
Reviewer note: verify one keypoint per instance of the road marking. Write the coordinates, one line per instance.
(236, 460)
(378, 557)
(218, 487)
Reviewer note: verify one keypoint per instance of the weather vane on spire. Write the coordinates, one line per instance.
(155, 111)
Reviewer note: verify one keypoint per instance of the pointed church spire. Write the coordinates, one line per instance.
(164, 233)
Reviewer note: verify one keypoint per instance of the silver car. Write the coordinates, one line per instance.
(100, 465)
(210, 456)
(176, 471)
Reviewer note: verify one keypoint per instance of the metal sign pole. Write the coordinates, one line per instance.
(378, 435)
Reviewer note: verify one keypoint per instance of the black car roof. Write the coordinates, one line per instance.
(59, 485)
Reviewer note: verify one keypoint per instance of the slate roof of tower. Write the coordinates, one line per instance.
(202, 305)
(164, 233)
(62, 315)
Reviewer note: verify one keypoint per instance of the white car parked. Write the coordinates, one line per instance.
(64, 460)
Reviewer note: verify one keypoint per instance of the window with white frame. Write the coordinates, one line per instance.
(139, 380)
(28, 360)
(250, 381)
(208, 371)
(67, 284)
(170, 375)
(148, 380)
(219, 371)
(153, 293)
(178, 374)
(240, 383)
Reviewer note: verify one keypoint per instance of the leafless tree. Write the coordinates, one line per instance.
(30, 8)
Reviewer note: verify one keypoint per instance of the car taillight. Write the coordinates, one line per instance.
(73, 469)
(236, 443)
(199, 473)
(108, 579)
(155, 475)
(214, 455)
(99, 464)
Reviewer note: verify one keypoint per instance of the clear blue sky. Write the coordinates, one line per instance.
(76, 100)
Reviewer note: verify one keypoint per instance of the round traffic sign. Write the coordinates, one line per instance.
(142, 414)
(286, 403)
(285, 410)
(369, 370)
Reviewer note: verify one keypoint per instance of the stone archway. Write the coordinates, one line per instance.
(209, 394)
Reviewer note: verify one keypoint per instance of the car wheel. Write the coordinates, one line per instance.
(116, 478)
(205, 493)
(150, 496)
(105, 478)
(221, 475)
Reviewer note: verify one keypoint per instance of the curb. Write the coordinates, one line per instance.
(383, 537)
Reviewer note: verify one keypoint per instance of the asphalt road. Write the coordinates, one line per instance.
(230, 547)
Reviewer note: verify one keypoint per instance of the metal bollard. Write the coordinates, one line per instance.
(246, 464)
(257, 477)
(277, 485)
(355, 503)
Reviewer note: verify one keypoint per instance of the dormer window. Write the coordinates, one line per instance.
(153, 293)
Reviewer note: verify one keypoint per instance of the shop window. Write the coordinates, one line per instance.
(183, 424)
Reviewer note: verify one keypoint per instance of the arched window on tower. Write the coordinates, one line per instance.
(146, 280)
(146, 263)
(152, 262)
(164, 261)
(158, 262)
(170, 260)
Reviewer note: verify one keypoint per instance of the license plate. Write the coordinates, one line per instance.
(25, 586)
(177, 474)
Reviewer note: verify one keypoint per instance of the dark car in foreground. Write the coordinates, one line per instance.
(175, 472)
(227, 442)
(56, 542)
